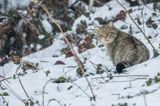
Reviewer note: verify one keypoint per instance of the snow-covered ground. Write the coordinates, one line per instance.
(6, 5)
(110, 89)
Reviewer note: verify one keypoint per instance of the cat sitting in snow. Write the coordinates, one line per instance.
(124, 49)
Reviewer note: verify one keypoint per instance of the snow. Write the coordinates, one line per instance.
(13, 4)
(41, 36)
(47, 26)
(129, 87)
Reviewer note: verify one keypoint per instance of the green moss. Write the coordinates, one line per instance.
(100, 46)
(5, 94)
(100, 69)
(157, 79)
(149, 82)
(60, 80)
(154, 14)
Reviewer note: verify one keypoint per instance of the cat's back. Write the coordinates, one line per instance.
(126, 46)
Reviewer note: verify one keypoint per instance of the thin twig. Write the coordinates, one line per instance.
(143, 18)
(124, 76)
(12, 91)
(54, 100)
(23, 87)
(131, 76)
(126, 80)
(80, 64)
(5, 79)
(81, 89)
(144, 92)
(44, 90)
(19, 66)
(145, 101)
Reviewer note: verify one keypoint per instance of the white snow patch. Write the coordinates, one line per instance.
(47, 26)
(41, 36)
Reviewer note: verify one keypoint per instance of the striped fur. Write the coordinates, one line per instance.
(124, 49)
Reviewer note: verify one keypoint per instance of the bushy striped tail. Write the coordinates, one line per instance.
(121, 66)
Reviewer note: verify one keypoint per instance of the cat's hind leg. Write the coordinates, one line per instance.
(131, 60)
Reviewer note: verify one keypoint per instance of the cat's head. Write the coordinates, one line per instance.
(107, 33)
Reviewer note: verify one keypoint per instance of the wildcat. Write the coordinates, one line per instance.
(124, 49)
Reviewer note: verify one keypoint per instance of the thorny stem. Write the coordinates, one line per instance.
(80, 64)
(155, 51)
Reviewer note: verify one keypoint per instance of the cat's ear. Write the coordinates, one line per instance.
(110, 24)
